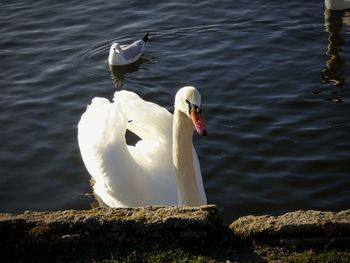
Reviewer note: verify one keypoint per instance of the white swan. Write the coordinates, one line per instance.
(162, 168)
(337, 4)
(120, 55)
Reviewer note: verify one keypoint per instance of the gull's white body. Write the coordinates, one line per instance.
(120, 55)
(140, 175)
(337, 4)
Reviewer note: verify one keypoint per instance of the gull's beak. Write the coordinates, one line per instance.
(116, 50)
(198, 121)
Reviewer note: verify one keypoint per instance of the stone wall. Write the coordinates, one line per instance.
(59, 232)
(299, 229)
(72, 230)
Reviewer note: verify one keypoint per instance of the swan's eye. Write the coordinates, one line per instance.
(190, 105)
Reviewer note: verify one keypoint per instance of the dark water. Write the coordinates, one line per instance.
(273, 78)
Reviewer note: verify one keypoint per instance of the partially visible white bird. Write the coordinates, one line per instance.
(162, 168)
(120, 55)
(337, 4)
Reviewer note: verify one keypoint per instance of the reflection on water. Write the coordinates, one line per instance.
(334, 71)
(118, 72)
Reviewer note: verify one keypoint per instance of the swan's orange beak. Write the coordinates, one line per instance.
(198, 121)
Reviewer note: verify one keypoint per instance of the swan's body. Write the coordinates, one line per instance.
(161, 169)
(126, 54)
(337, 4)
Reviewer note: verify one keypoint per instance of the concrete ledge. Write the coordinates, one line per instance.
(108, 227)
(81, 235)
(300, 228)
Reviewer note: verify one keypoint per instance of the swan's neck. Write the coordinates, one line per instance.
(187, 188)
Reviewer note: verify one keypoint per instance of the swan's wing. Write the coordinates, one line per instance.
(148, 120)
(134, 50)
(153, 124)
(103, 150)
(122, 174)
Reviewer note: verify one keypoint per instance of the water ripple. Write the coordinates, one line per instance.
(273, 83)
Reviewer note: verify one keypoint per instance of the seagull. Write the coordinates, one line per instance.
(120, 55)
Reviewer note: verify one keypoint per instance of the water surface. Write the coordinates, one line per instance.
(273, 78)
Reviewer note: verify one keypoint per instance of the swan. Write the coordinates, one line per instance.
(162, 168)
(337, 4)
(120, 55)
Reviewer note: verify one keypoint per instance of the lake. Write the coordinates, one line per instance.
(274, 80)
